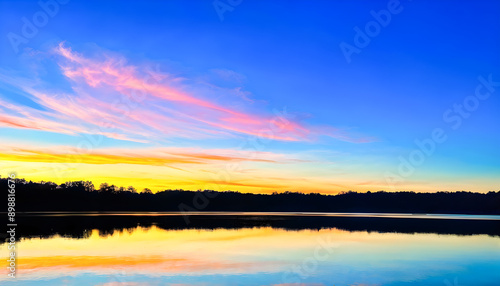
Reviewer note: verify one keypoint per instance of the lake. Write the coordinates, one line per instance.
(128, 249)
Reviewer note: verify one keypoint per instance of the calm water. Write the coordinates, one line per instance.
(256, 249)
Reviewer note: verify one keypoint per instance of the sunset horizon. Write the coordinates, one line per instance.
(136, 118)
(253, 143)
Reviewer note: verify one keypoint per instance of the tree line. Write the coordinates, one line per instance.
(83, 196)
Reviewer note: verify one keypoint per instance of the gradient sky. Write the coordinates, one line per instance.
(168, 94)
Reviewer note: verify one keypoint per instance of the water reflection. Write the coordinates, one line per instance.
(251, 252)
(78, 225)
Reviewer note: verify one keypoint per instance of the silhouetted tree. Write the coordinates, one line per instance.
(78, 196)
(104, 187)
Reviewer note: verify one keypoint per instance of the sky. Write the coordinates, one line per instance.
(252, 96)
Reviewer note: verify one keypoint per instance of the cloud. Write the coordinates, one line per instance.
(148, 156)
(228, 75)
(112, 98)
(120, 284)
(299, 284)
(116, 75)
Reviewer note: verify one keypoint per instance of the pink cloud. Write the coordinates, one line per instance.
(115, 74)
(117, 100)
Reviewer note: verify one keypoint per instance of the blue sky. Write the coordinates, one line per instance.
(360, 116)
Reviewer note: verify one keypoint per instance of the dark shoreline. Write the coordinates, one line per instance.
(81, 196)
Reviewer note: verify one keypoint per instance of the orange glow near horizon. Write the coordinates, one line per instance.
(120, 122)
(195, 168)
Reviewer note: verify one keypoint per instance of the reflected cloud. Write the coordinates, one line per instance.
(250, 254)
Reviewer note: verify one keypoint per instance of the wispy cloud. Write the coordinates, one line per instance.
(115, 74)
(113, 98)
(103, 95)
(148, 156)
